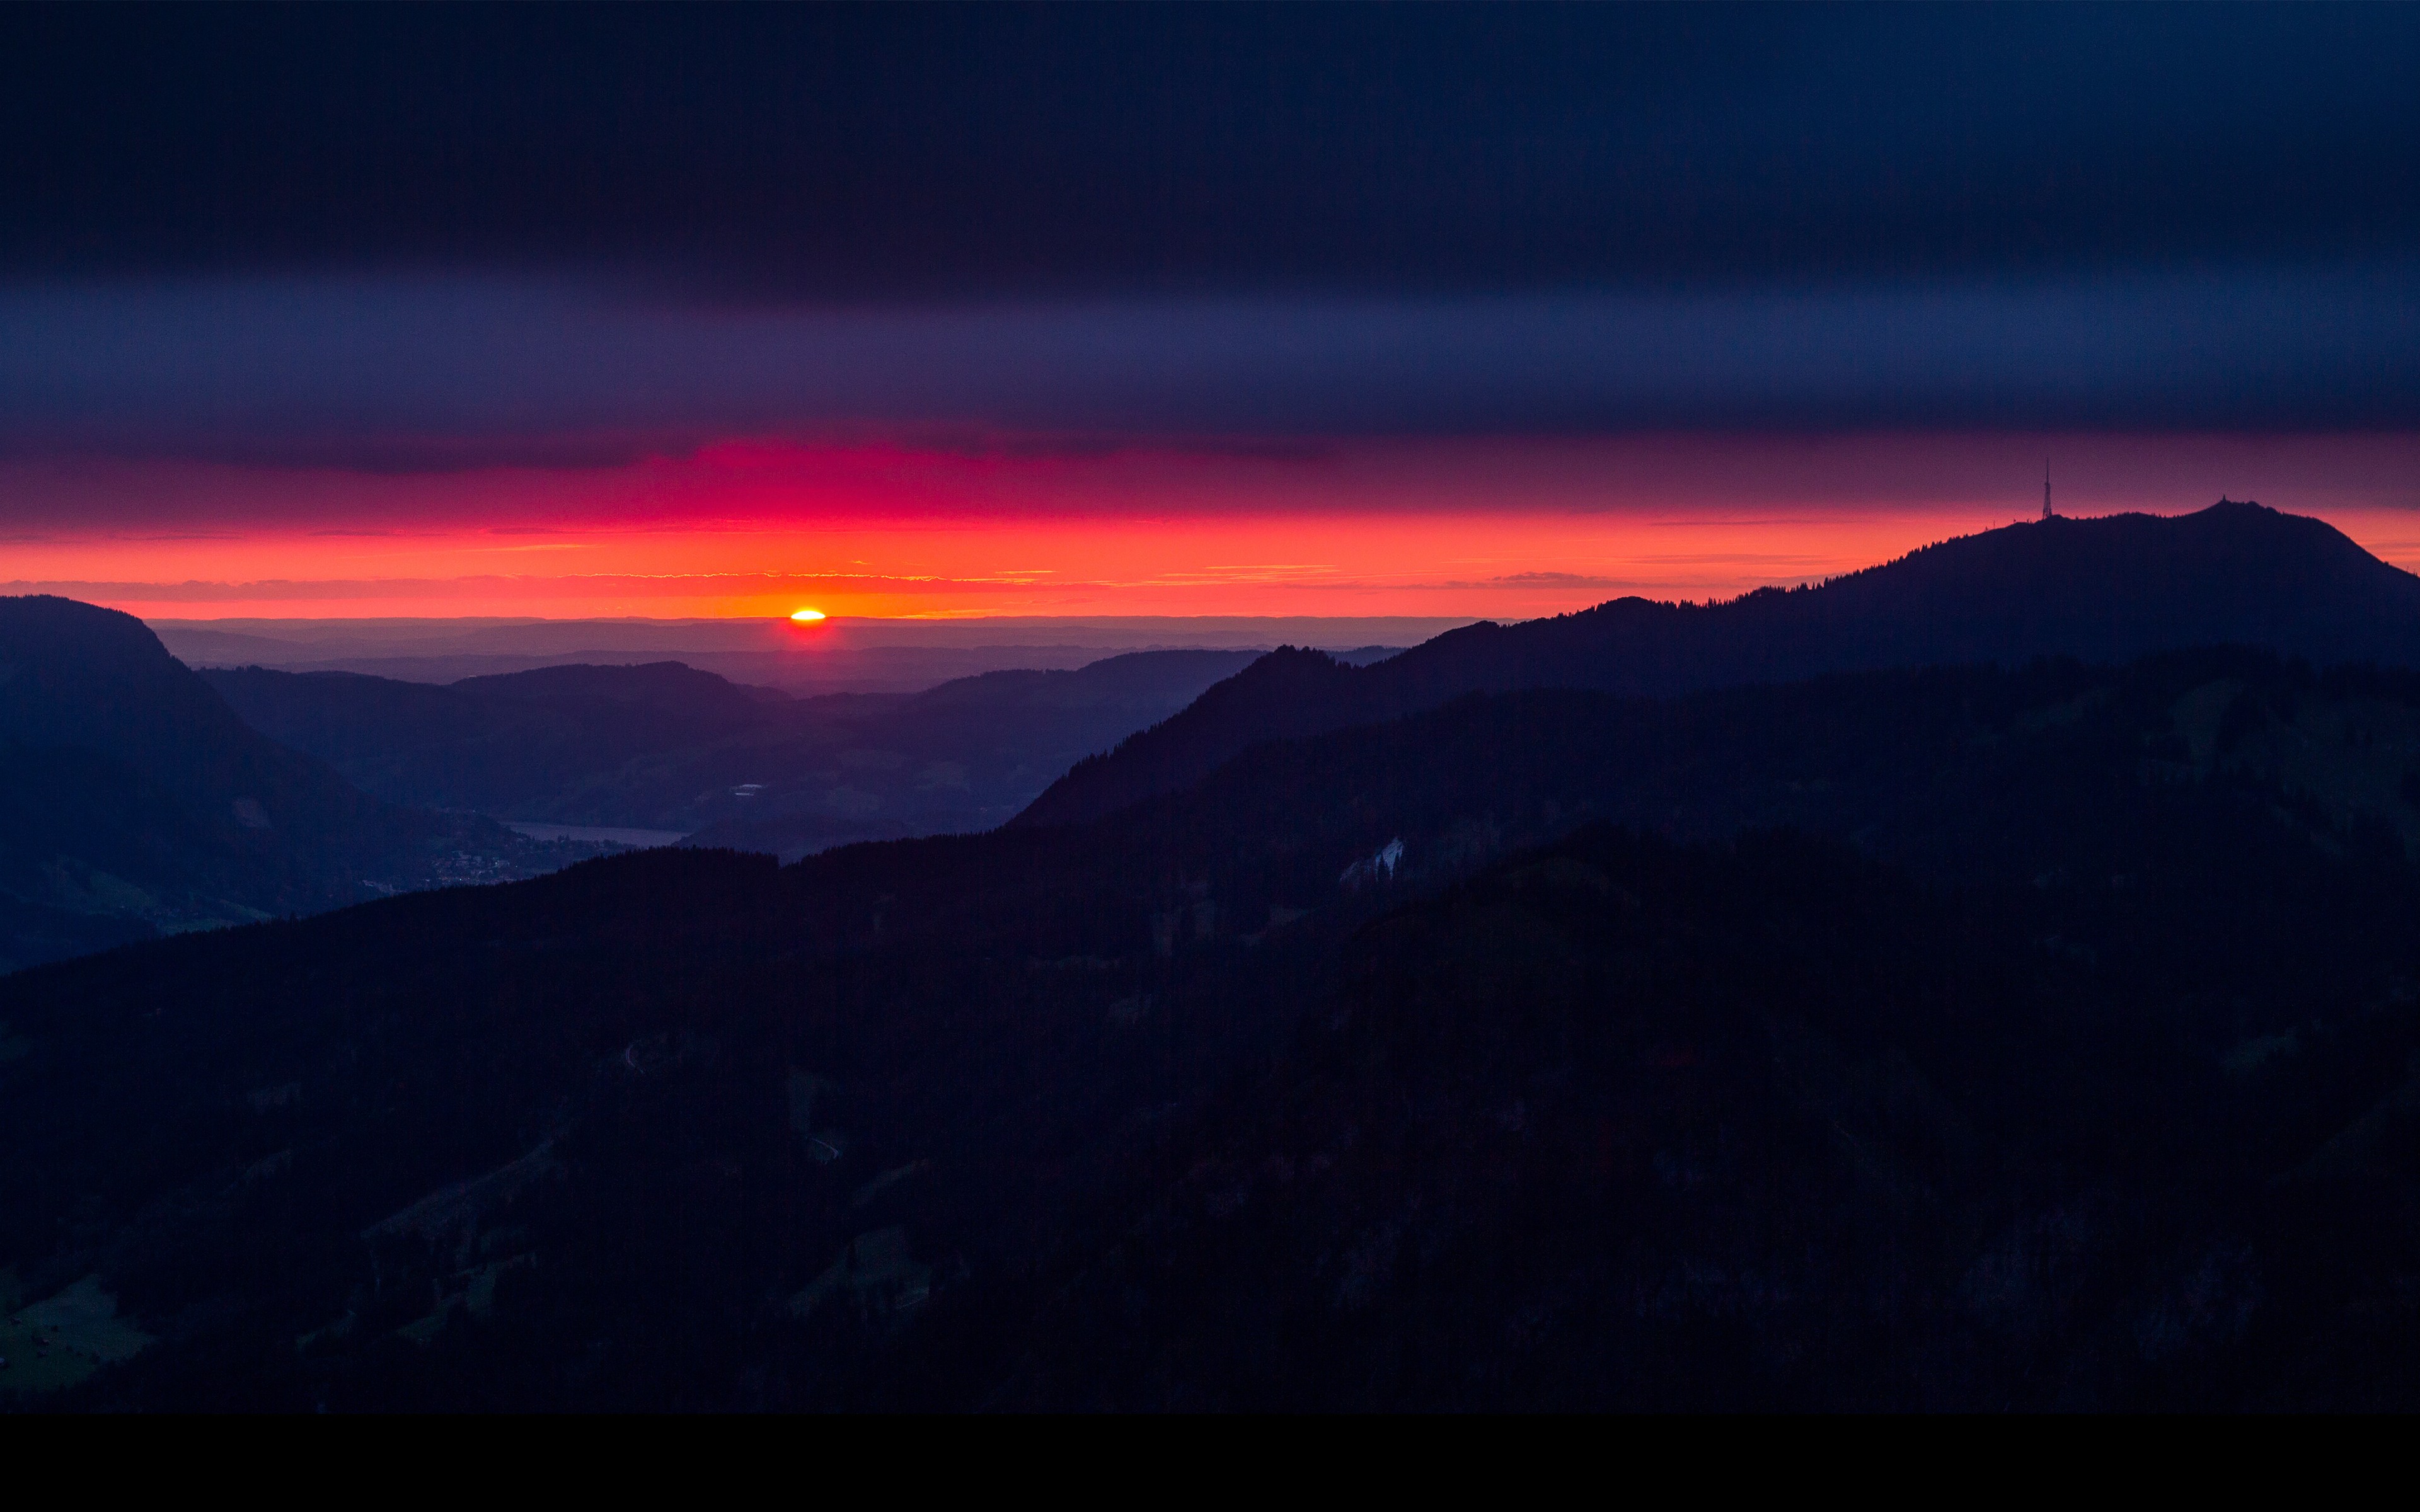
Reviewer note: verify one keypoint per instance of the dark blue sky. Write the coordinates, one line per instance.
(923, 150)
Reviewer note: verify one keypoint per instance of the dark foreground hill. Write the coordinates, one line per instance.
(665, 746)
(2103, 590)
(1975, 1039)
(133, 801)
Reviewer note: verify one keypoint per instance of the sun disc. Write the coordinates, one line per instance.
(808, 616)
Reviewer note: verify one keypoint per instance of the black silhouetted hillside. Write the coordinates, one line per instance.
(666, 746)
(2101, 590)
(1966, 1037)
(1617, 1126)
(133, 800)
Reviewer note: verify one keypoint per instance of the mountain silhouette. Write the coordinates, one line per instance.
(1956, 1038)
(666, 746)
(2101, 590)
(1968, 1037)
(133, 801)
(519, 745)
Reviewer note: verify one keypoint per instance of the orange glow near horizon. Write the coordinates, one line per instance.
(1505, 529)
(1494, 565)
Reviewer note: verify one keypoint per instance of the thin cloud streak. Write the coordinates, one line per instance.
(400, 376)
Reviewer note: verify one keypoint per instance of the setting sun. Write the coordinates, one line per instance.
(808, 616)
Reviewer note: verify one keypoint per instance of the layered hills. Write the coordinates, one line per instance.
(2034, 1032)
(2104, 590)
(1955, 1038)
(841, 654)
(134, 802)
(668, 748)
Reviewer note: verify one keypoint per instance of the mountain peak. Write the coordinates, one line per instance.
(81, 674)
(135, 800)
(2099, 589)
(51, 636)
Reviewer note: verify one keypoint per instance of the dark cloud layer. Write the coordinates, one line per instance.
(436, 238)
(387, 374)
(911, 152)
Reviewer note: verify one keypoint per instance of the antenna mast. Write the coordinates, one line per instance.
(2046, 509)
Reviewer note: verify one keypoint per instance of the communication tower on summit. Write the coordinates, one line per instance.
(2047, 511)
